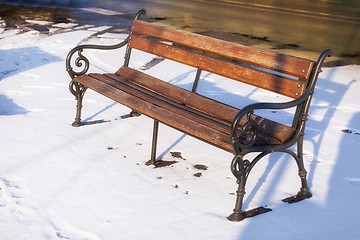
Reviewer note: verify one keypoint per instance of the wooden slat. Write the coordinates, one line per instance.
(165, 116)
(275, 83)
(211, 128)
(194, 100)
(266, 126)
(295, 66)
(206, 105)
(163, 102)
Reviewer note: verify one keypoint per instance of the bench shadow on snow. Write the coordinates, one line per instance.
(14, 62)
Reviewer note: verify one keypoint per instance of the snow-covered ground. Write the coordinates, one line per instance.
(61, 182)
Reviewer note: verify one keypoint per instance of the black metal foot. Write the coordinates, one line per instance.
(236, 216)
(134, 113)
(77, 124)
(298, 197)
(239, 216)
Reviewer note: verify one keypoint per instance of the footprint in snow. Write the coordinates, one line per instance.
(15, 186)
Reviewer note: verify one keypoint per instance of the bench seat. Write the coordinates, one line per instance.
(198, 116)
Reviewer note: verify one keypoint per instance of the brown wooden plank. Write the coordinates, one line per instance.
(165, 116)
(295, 66)
(163, 102)
(212, 126)
(278, 130)
(275, 83)
(206, 105)
(200, 117)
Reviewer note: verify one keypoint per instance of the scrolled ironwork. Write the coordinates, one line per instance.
(249, 110)
(82, 61)
(77, 89)
(246, 135)
(239, 167)
(250, 131)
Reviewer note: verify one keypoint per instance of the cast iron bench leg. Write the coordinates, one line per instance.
(304, 190)
(154, 142)
(78, 91)
(238, 169)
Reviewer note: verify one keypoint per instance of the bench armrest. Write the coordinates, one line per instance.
(250, 130)
(82, 62)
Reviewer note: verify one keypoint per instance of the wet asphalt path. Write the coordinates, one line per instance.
(297, 25)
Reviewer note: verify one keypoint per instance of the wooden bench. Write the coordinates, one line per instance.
(237, 131)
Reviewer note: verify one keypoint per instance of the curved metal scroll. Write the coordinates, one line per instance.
(239, 167)
(242, 167)
(82, 65)
(248, 132)
(82, 62)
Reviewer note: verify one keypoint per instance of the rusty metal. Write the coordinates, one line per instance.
(241, 167)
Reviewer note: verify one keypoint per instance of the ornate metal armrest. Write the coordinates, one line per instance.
(82, 62)
(250, 129)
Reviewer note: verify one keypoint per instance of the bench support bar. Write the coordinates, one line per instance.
(154, 142)
(240, 169)
(238, 214)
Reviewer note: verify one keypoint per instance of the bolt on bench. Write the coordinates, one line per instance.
(238, 131)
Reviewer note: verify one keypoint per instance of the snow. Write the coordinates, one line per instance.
(61, 182)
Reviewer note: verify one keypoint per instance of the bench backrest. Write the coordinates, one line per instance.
(283, 74)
